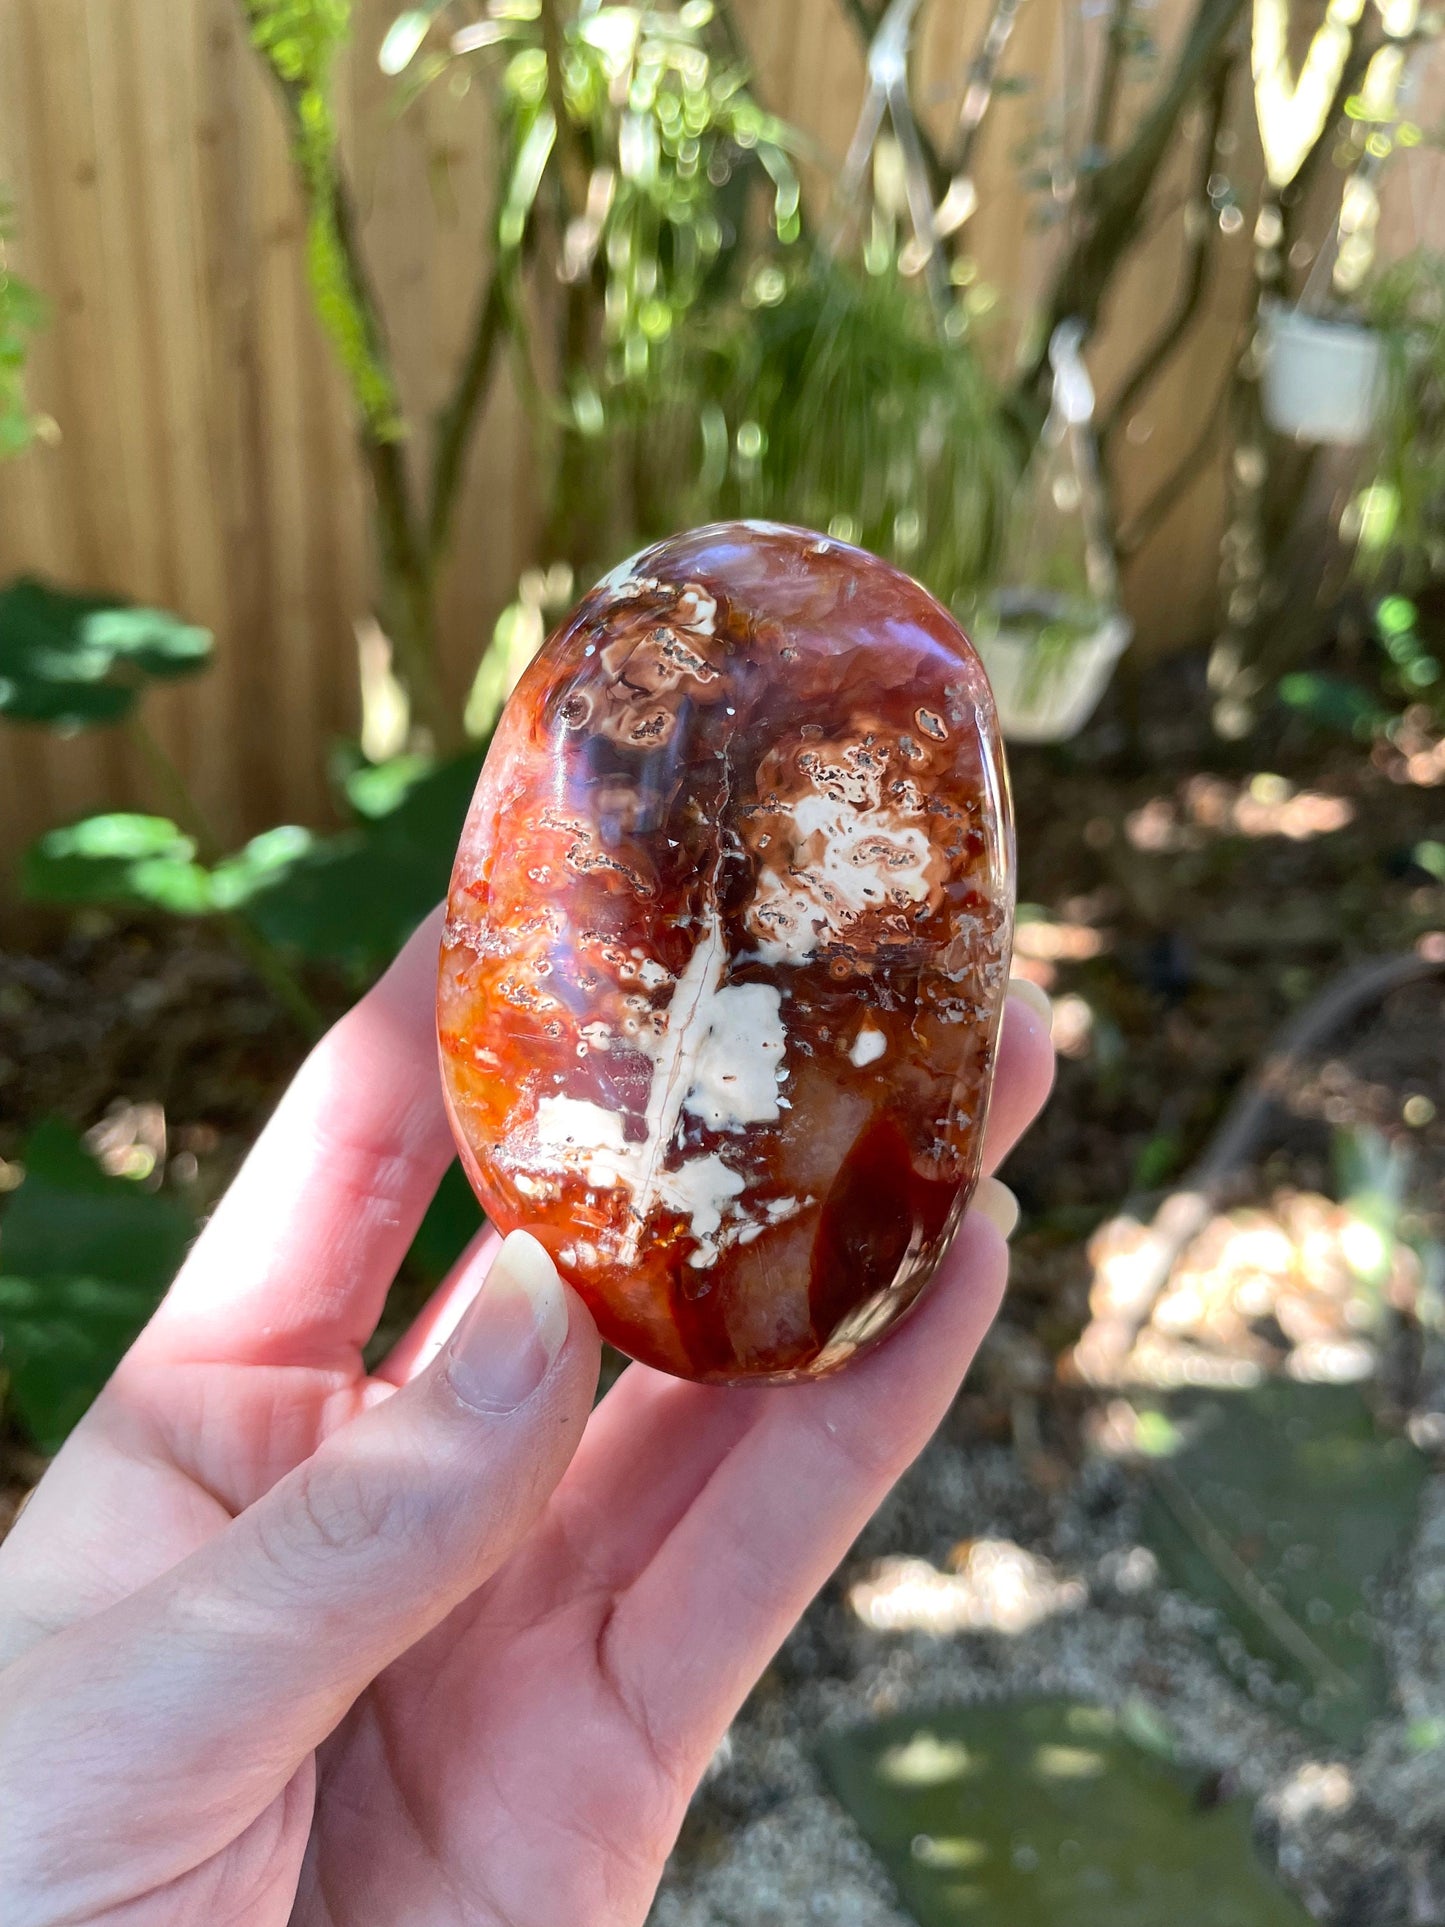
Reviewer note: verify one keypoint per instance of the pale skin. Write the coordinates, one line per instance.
(280, 1640)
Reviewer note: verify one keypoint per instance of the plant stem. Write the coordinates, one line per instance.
(177, 791)
(982, 79)
(1113, 197)
(573, 168)
(1111, 74)
(1201, 250)
(456, 421)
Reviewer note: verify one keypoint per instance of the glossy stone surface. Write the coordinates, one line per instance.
(726, 949)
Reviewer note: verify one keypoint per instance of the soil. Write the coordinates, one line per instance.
(1182, 899)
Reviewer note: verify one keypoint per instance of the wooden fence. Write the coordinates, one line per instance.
(206, 460)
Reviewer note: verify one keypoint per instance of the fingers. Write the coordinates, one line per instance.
(1024, 1072)
(442, 1313)
(655, 1441)
(229, 1670)
(691, 1635)
(296, 1262)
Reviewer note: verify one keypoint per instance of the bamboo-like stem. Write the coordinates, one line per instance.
(1251, 545)
(1142, 524)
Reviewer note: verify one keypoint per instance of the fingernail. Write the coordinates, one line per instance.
(513, 1329)
(998, 1204)
(1034, 996)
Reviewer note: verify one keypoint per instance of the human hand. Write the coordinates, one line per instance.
(280, 1640)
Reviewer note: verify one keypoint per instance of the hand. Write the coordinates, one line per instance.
(282, 1641)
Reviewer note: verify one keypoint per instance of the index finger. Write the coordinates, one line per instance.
(295, 1265)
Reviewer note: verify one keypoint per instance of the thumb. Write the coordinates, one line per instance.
(228, 1670)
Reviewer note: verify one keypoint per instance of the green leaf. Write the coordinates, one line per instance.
(376, 789)
(74, 660)
(260, 865)
(127, 859)
(353, 899)
(1282, 1509)
(119, 858)
(1332, 703)
(84, 1258)
(403, 38)
(1034, 1813)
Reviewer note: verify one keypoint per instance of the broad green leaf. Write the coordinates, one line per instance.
(1037, 1813)
(118, 858)
(73, 660)
(1282, 1509)
(259, 865)
(353, 899)
(83, 1260)
(128, 859)
(376, 789)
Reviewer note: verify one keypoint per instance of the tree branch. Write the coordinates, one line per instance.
(866, 23)
(982, 80)
(573, 168)
(1146, 519)
(1115, 194)
(1111, 76)
(1201, 250)
(456, 420)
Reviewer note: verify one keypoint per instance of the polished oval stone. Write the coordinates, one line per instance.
(726, 950)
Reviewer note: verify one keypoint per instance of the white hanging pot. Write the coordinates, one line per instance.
(1046, 691)
(1322, 378)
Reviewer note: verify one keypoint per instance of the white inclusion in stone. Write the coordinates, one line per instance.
(868, 1046)
(719, 1052)
(695, 610)
(623, 575)
(867, 858)
(740, 1059)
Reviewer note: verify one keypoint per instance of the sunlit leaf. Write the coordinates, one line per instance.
(69, 659)
(1037, 1812)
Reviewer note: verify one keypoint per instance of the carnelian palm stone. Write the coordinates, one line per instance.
(726, 948)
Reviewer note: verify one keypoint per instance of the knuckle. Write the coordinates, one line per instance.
(332, 1511)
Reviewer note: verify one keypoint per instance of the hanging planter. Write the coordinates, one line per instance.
(1323, 377)
(1052, 632)
(1049, 662)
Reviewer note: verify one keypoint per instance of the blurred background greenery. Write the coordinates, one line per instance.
(340, 348)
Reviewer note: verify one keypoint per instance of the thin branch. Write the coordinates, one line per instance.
(978, 95)
(404, 568)
(1201, 250)
(866, 23)
(1111, 76)
(456, 420)
(573, 167)
(1180, 478)
(1115, 195)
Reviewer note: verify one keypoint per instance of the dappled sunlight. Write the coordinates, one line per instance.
(1072, 1026)
(1209, 806)
(1414, 750)
(1297, 1286)
(996, 1587)
(1042, 941)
